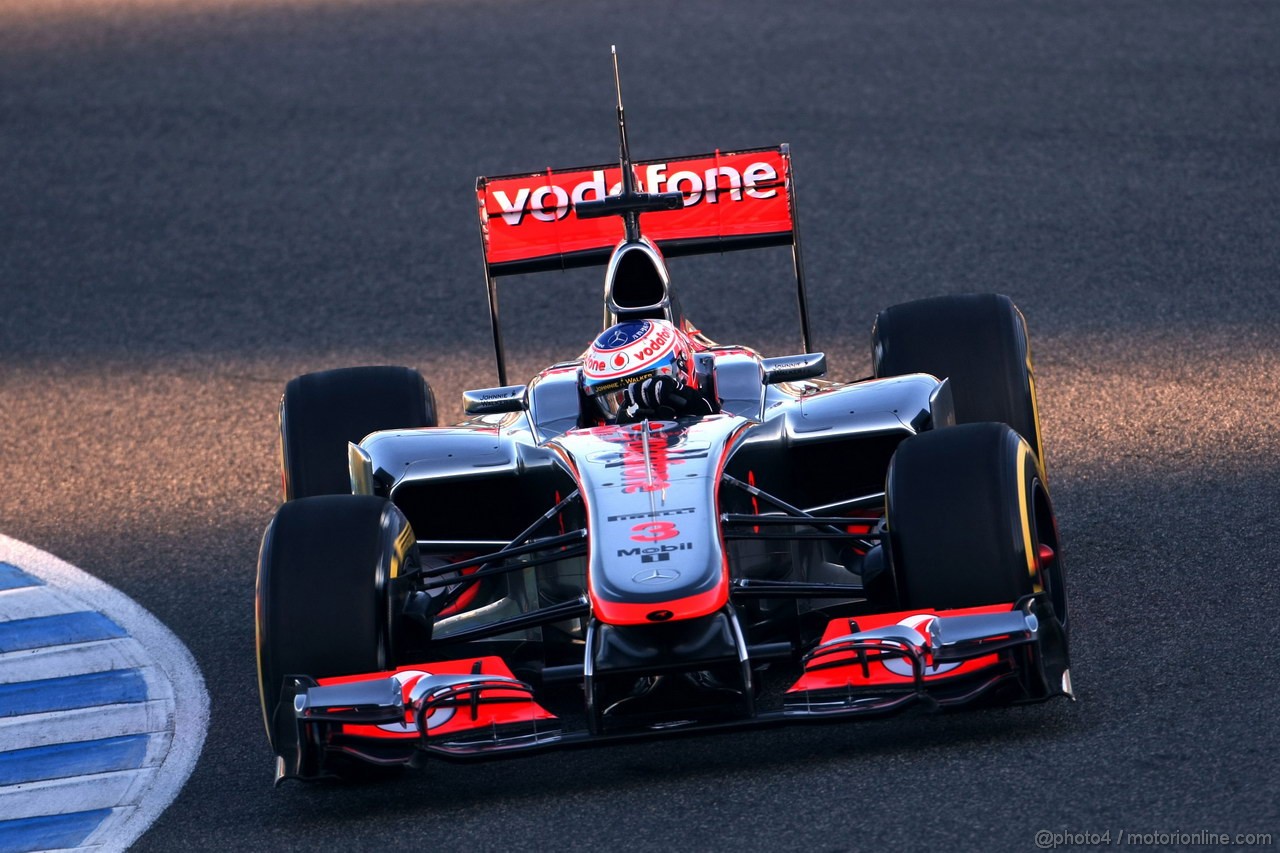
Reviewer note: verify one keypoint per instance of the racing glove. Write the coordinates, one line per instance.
(663, 398)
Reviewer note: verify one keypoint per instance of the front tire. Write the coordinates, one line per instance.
(967, 513)
(323, 602)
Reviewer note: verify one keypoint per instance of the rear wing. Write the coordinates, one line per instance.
(732, 200)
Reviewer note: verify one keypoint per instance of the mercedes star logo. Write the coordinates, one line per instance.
(656, 576)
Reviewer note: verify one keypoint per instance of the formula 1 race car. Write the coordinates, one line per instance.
(555, 572)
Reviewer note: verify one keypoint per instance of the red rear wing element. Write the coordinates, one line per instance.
(732, 200)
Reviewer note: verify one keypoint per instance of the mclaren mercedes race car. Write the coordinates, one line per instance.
(550, 573)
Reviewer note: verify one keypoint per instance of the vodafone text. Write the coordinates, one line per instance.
(596, 366)
(549, 202)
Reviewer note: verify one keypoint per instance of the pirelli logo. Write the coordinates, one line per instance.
(661, 513)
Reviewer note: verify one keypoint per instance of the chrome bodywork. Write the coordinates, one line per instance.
(652, 486)
(540, 436)
(444, 479)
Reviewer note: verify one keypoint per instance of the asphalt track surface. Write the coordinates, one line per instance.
(199, 200)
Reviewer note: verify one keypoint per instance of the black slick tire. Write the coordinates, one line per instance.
(967, 515)
(321, 412)
(323, 603)
(977, 341)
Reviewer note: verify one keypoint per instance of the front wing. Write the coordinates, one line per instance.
(475, 707)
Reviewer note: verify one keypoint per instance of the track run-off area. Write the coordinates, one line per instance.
(203, 198)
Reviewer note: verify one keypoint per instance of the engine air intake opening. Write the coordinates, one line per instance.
(639, 286)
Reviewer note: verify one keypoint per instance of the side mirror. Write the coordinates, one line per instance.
(793, 368)
(492, 401)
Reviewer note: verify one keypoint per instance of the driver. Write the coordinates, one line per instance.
(643, 369)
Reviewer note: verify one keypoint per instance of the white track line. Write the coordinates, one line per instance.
(79, 724)
(80, 659)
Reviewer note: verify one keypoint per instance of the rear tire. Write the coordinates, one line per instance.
(979, 342)
(323, 602)
(321, 412)
(967, 512)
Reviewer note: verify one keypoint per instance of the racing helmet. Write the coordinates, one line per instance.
(631, 352)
